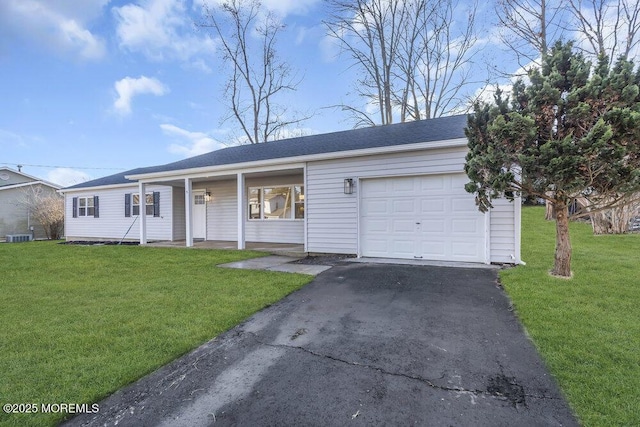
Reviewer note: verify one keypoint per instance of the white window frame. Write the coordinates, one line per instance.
(292, 208)
(88, 204)
(148, 196)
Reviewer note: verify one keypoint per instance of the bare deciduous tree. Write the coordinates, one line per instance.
(248, 37)
(413, 56)
(529, 27)
(609, 28)
(46, 208)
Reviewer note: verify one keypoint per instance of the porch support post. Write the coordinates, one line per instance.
(241, 197)
(142, 188)
(188, 214)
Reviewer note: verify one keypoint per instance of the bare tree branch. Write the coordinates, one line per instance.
(257, 77)
(414, 56)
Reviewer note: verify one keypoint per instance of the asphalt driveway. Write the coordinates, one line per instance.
(362, 344)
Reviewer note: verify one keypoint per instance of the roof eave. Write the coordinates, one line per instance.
(448, 143)
(96, 187)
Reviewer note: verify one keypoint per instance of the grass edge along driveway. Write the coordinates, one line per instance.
(586, 328)
(80, 322)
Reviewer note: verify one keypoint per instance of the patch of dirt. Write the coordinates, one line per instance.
(508, 388)
(97, 243)
(323, 260)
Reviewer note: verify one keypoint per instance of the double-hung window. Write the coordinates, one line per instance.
(135, 205)
(273, 203)
(132, 204)
(85, 206)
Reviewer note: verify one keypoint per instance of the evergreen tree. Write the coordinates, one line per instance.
(571, 131)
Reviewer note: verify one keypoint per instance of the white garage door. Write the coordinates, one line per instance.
(426, 217)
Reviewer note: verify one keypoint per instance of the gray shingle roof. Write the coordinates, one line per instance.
(431, 130)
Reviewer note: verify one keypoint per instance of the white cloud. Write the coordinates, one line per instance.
(129, 87)
(191, 143)
(58, 26)
(161, 30)
(289, 7)
(66, 177)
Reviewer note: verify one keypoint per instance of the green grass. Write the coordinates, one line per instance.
(80, 322)
(586, 328)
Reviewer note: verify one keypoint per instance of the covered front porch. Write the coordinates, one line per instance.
(259, 209)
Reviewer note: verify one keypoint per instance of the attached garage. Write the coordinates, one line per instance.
(427, 217)
(393, 191)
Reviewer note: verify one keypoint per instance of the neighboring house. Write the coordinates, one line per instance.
(14, 215)
(394, 191)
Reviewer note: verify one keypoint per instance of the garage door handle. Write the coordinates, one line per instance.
(417, 223)
(419, 257)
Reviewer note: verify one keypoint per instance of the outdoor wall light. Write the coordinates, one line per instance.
(348, 186)
(207, 196)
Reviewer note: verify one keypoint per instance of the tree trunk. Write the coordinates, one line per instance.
(549, 213)
(562, 265)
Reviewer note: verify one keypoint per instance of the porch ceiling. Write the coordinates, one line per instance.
(179, 182)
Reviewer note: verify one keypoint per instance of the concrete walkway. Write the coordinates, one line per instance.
(361, 345)
(278, 263)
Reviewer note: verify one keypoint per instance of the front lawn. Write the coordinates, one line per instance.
(587, 328)
(80, 322)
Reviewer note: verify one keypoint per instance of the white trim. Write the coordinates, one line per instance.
(487, 237)
(229, 170)
(142, 211)
(257, 166)
(188, 215)
(304, 219)
(358, 216)
(517, 213)
(203, 192)
(26, 184)
(50, 184)
(240, 184)
(132, 184)
(292, 214)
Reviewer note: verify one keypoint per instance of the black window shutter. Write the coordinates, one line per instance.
(75, 207)
(127, 204)
(156, 203)
(96, 207)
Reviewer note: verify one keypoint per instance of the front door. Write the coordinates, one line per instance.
(199, 215)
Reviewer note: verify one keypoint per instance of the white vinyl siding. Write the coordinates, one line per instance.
(112, 223)
(332, 216)
(222, 218)
(502, 240)
(222, 213)
(179, 225)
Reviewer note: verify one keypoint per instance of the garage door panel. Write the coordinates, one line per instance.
(465, 249)
(404, 185)
(459, 204)
(403, 226)
(403, 207)
(431, 217)
(434, 249)
(432, 184)
(377, 226)
(432, 226)
(378, 245)
(404, 248)
(376, 207)
(431, 205)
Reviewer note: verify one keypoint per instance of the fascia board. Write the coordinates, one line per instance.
(97, 187)
(293, 162)
(26, 184)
